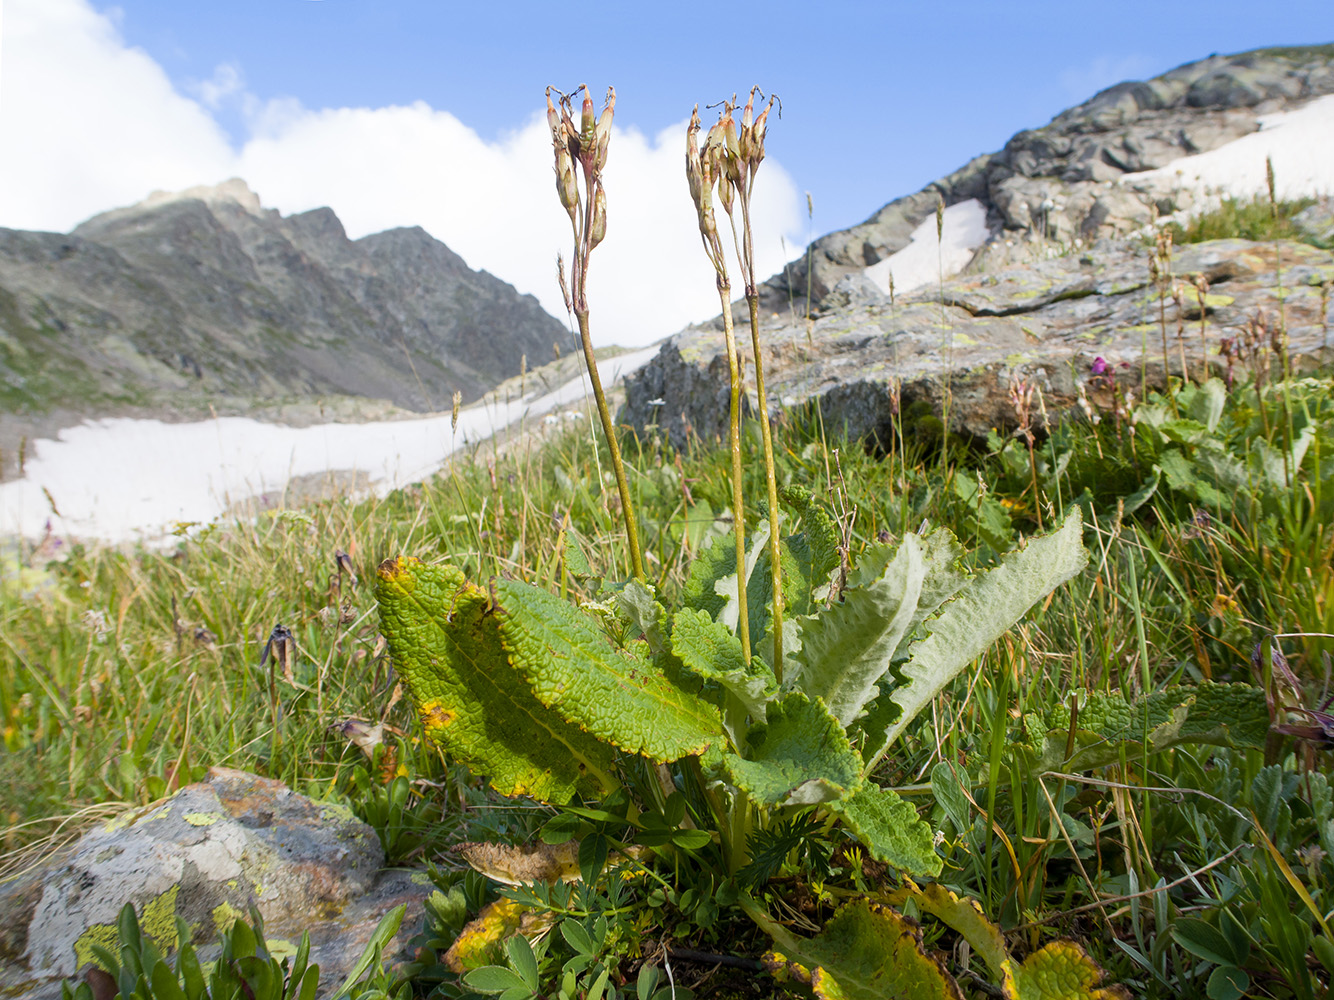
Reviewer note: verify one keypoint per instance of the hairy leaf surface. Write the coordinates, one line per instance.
(847, 647)
(983, 610)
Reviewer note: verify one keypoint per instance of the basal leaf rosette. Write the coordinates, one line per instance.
(447, 647)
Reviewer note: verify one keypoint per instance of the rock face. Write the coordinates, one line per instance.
(205, 856)
(1046, 323)
(206, 297)
(1068, 179)
(1062, 278)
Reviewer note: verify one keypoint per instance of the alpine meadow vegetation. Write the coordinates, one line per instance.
(1038, 717)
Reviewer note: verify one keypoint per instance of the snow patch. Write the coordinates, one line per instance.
(124, 479)
(1300, 144)
(925, 260)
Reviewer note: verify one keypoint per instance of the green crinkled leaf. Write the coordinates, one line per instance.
(1230, 715)
(819, 532)
(866, 952)
(847, 647)
(617, 695)
(471, 701)
(890, 828)
(1060, 970)
(798, 756)
(983, 610)
(707, 568)
(710, 650)
(757, 542)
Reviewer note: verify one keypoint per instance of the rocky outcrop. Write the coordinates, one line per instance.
(1057, 229)
(1073, 178)
(204, 297)
(1045, 323)
(206, 855)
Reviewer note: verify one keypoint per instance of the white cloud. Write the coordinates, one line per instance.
(89, 123)
(227, 81)
(107, 127)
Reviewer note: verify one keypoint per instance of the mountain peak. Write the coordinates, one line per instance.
(233, 191)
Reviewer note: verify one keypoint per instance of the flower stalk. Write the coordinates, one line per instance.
(585, 146)
(703, 171)
(750, 153)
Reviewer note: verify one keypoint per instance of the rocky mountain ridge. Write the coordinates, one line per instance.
(205, 298)
(1059, 278)
(1074, 178)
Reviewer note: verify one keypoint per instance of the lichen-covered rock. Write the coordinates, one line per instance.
(206, 855)
(1045, 322)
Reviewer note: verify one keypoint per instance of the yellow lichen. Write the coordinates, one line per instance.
(157, 922)
(224, 915)
(201, 818)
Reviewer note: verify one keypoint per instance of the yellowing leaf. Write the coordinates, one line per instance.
(446, 646)
(481, 942)
(1061, 970)
(866, 952)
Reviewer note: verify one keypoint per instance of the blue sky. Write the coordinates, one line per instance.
(402, 112)
(879, 98)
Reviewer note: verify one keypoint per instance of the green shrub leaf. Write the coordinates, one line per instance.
(799, 756)
(710, 650)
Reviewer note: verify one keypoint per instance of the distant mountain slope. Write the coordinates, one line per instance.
(204, 297)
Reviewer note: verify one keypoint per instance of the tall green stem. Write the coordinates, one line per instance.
(771, 477)
(609, 432)
(738, 509)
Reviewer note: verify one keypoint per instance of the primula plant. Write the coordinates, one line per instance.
(711, 745)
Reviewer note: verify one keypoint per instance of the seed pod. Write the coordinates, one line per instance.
(587, 127)
(599, 229)
(603, 130)
(553, 121)
(566, 187)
